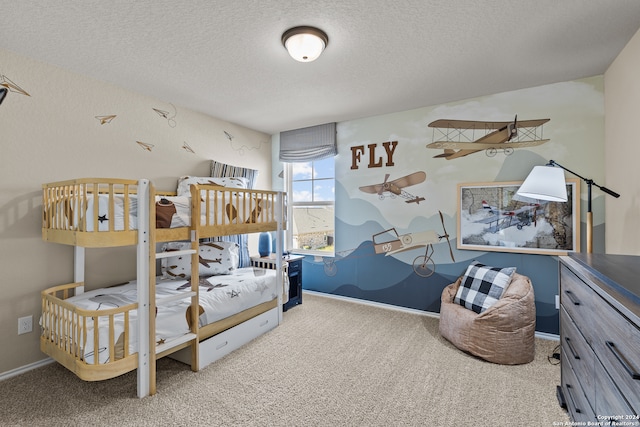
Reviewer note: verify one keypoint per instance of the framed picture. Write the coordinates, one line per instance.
(492, 217)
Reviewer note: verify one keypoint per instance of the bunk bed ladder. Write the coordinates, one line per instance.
(190, 338)
(144, 279)
(143, 273)
(160, 348)
(280, 250)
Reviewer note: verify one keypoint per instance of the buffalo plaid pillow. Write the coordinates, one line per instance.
(482, 286)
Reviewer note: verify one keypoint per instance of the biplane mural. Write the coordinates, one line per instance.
(459, 138)
(396, 187)
(423, 265)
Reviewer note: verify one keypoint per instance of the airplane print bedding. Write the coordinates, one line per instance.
(220, 297)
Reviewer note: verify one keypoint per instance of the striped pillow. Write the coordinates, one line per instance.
(223, 170)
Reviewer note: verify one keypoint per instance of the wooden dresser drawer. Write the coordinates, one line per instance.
(580, 355)
(578, 299)
(609, 401)
(577, 403)
(600, 298)
(617, 344)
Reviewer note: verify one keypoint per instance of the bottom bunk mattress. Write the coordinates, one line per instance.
(219, 297)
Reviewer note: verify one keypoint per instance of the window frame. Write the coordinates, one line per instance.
(288, 182)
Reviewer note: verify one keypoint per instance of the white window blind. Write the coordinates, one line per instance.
(308, 144)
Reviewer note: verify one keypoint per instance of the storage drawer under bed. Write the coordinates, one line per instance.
(225, 342)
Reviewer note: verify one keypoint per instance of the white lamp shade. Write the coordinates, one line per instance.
(545, 183)
(305, 44)
(304, 47)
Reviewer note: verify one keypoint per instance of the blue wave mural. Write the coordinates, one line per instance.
(363, 274)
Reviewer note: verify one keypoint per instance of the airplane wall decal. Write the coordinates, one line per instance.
(395, 187)
(460, 139)
(423, 265)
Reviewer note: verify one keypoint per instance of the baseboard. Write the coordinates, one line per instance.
(547, 336)
(26, 368)
(373, 303)
(542, 335)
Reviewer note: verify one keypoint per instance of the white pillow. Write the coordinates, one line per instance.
(215, 258)
(184, 183)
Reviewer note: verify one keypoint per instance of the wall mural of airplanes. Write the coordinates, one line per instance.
(500, 219)
(459, 138)
(395, 188)
(423, 265)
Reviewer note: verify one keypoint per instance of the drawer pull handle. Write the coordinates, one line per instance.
(573, 352)
(573, 299)
(623, 361)
(573, 402)
(222, 344)
(263, 324)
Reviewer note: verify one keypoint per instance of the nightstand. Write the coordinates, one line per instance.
(295, 281)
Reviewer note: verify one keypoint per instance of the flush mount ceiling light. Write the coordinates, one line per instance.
(305, 44)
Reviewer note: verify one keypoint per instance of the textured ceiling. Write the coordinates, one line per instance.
(225, 58)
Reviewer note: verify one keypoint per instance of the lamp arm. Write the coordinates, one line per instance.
(588, 181)
(609, 192)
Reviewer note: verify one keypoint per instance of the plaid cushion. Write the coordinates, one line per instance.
(482, 286)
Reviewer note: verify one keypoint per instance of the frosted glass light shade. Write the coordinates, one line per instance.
(545, 183)
(304, 44)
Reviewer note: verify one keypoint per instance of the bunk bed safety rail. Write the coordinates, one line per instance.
(71, 208)
(224, 210)
(70, 329)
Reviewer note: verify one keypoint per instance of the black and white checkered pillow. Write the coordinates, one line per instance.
(482, 286)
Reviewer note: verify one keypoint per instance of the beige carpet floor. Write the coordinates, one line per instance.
(331, 363)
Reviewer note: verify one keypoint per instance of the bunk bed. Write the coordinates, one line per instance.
(98, 339)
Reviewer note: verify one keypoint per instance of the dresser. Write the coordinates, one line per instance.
(600, 337)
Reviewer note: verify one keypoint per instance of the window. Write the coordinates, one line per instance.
(311, 196)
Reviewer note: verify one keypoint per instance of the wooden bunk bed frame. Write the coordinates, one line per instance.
(64, 325)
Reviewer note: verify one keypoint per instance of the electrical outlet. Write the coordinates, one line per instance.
(557, 302)
(25, 325)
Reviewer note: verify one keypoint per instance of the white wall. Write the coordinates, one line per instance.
(53, 135)
(622, 139)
